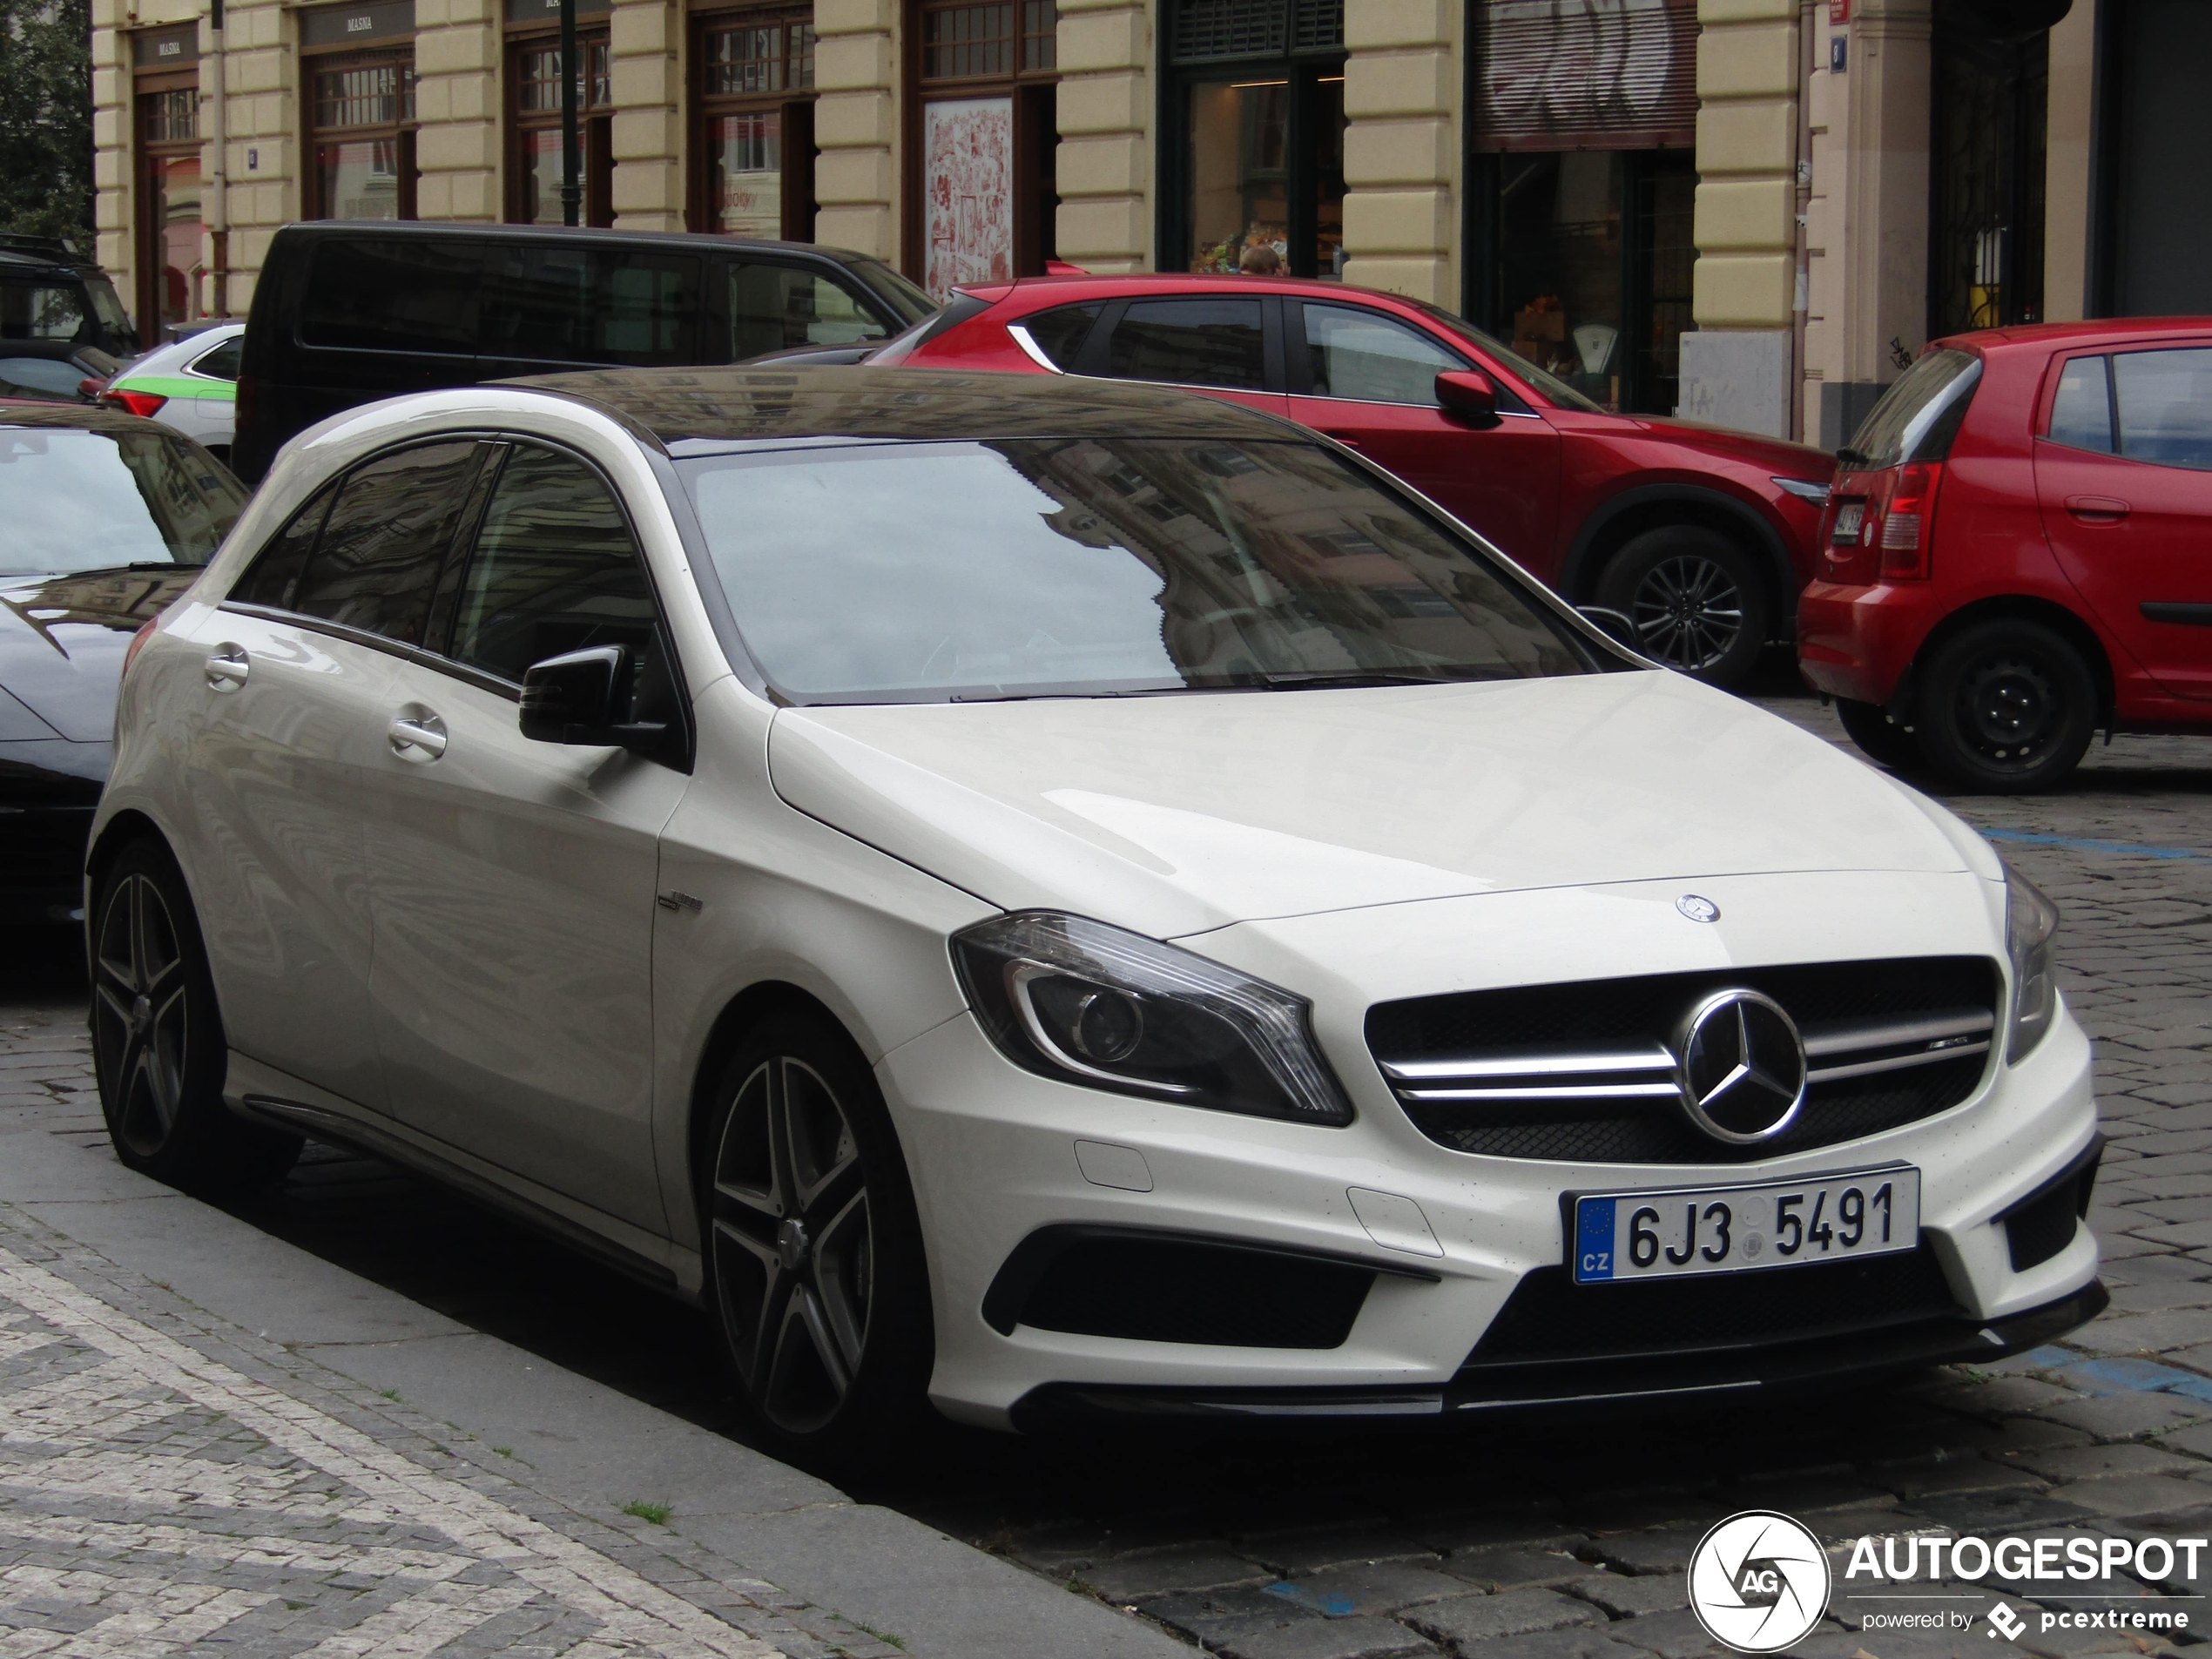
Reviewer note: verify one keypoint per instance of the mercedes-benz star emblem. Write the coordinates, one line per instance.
(1742, 1066)
(1698, 907)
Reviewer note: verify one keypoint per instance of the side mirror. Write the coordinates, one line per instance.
(576, 698)
(1468, 395)
(1616, 625)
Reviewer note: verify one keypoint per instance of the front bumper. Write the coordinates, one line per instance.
(1856, 641)
(999, 1156)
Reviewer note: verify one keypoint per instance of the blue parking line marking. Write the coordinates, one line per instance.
(1593, 1240)
(2135, 849)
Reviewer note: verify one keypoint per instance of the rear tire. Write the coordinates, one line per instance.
(815, 1276)
(158, 1045)
(1879, 739)
(2007, 706)
(1698, 600)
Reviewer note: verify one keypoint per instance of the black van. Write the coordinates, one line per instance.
(346, 313)
(50, 291)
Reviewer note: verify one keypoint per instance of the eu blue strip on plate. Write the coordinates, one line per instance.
(1593, 1240)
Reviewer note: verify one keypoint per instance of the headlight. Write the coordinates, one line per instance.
(1091, 1004)
(2031, 923)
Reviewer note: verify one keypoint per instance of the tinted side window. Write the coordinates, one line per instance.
(269, 579)
(2163, 400)
(774, 306)
(1060, 334)
(2081, 411)
(1356, 352)
(592, 305)
(40, 311)
(395, 295)
(1190, 342)
(222, 364)
(389, 532)
(553, 569)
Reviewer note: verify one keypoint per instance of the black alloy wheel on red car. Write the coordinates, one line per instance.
(2007, 706)
(1879, 739)
(1696, 598)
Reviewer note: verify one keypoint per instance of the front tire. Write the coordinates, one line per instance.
(813, 1252)
(1698, 601)
(158, 1045)
(2007, 706)
(1879, 739)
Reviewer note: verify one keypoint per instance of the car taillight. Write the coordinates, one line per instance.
(1906, 503)
(138, 643)
(140, 403)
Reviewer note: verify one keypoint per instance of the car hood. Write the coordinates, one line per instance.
(1777, 454)
(62, 641)
(1179, 813)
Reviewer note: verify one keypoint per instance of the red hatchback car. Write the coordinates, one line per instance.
(2018, 552)
(1700, 535)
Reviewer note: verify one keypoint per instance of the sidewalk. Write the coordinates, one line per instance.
(209, 1440)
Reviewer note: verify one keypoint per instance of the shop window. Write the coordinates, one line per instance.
(363, 140)
(1580, 191)
(1255, 173)
(168, 207)
(755, 172)
(535, 171)
(984, 136)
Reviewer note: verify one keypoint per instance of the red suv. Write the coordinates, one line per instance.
(1700, 535)
(2018, 551)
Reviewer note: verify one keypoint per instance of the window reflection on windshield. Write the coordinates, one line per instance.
(934, 571)
(74, 500)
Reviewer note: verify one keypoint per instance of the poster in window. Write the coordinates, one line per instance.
(968, 171)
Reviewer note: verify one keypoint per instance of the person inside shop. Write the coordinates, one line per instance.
(1259, 258)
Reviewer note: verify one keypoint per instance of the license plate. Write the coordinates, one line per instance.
(1682, 1232)
(1849, 517)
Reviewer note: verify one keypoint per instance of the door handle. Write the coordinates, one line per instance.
(1349, 440)
(227, 668)
(2096, 510)
(418, 736)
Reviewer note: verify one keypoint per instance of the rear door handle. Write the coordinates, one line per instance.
(418, 736)
(2097, 510)
(1349, 440)
(228, 667)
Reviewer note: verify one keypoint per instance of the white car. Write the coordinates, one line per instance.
(189, 385)
(1057, 898)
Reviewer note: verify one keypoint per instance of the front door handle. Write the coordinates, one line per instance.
(1349, 440)
(2096, 510)
(418, 736)
(228, 667)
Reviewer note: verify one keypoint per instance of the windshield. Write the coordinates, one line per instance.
(1543, 380)
(73, 500)
(1919, 416)
(942, 572)
(912, 304)
(112, 314)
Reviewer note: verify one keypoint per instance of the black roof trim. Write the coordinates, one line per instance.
(433, 230)
(676, 405)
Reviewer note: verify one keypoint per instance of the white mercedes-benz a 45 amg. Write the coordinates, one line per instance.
(1056, 897)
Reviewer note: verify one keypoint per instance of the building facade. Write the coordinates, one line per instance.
(1753, 212)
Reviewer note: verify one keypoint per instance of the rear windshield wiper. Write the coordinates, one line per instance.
(1852, 458)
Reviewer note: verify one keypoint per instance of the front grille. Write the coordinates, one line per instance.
(1584, 1072)
(1549, 1317)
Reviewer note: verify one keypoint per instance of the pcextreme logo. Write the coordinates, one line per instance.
(1758, 1582)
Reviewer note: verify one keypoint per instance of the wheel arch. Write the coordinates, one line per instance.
(2017, 607)
(739, 1014)
(1629, 514)
(127, 827)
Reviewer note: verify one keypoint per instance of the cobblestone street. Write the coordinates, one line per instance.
(168, 1484)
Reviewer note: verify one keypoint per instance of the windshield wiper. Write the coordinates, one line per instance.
(137, 567)
(1309, 679)
(1852, 458)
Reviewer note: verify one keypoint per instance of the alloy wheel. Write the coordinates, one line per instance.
(2010, 709)
(1687, 611)
(793, 1243)
(142, 1014)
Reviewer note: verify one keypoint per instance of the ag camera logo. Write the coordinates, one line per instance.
(1758, 1582)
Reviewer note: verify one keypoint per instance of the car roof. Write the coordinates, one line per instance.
(766, 404)
(428, 230)
(61, 351)
(1093, 287)
(90, 417)
(32, 259)
(2096, 331)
